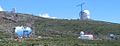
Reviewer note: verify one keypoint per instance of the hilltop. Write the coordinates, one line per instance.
(61, 32)
(55, 27)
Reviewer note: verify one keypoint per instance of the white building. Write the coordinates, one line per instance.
(22, 31)
(85, 15)
(86, 36)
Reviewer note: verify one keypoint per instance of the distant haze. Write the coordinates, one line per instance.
(1, 9)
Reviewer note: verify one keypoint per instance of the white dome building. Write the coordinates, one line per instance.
(23, 31)
(86, 36)
(82, 33)
(85, 15)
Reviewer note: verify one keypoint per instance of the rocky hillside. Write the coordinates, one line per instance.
(10, 20)
(54, 27)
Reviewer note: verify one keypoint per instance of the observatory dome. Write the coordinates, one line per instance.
(82, 33)
(87, 12)
(20, 31)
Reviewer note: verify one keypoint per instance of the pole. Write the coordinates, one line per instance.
(81, 17)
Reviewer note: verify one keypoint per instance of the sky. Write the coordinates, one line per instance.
(103, 10)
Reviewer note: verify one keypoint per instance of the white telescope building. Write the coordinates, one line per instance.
(85, 15)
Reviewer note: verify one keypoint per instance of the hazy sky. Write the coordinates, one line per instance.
(105, 10)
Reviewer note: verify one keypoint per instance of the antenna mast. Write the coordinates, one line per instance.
(82, 5)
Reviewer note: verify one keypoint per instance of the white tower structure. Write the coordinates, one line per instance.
(85, 15)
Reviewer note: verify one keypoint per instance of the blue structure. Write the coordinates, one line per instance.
(23, 31)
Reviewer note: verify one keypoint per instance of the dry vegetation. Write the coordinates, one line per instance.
(64, 32)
